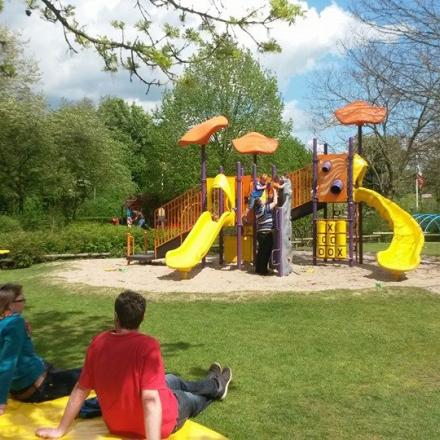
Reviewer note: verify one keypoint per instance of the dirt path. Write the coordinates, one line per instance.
(214, 279)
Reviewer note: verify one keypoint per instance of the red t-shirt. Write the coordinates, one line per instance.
(118, 367)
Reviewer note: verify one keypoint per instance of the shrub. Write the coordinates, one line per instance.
(28, 248)
(34, 216)
(9, 224)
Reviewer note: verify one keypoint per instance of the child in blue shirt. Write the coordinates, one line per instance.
(258, 189)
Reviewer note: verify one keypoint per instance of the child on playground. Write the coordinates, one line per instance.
(258, 188)
(279, 182)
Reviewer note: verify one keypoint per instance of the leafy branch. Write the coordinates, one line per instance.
(162, 49)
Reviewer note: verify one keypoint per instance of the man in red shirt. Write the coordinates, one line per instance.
(125, 369)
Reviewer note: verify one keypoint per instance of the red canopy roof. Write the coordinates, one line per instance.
(200, 134)
(359, 113)
(255, 143)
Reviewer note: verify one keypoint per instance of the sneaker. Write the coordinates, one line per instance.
(214, 370)
(224, 380)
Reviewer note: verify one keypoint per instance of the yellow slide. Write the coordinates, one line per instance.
(203, 234)
(403, 254)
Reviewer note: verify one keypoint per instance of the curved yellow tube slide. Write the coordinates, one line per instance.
(403, 254)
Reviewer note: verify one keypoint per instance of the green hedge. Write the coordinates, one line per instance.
(28, 248)
(9, 224)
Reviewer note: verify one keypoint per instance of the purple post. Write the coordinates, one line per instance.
(314, 196)
(325, 206)
(239, 224)
(360, 221)
(279, 234)
(276, 261)
(254, 219)
(203, 176)
(350, 201)
(221, 208)
(203, 179)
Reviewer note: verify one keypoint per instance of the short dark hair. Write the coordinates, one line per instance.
(130, 309)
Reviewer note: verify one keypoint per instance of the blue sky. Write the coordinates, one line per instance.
(307, 46)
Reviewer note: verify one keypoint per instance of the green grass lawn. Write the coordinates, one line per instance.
(339, 365)
(431, 248)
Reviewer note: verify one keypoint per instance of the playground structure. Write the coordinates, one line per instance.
(338, 179)
(145, 257)
(187, 227)
(222, 202)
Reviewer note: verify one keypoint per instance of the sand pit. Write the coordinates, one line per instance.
(214, 279)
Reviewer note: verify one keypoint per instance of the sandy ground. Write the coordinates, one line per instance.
(217, 280)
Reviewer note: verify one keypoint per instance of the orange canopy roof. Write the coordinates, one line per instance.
(200, 134)
(359, 113)
(255, 143)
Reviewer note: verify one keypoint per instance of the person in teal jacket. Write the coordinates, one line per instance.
(24, 374)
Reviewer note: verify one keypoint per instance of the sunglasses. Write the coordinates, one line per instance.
(22, 300)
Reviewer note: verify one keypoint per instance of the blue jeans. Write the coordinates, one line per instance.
(192, 397)
(58, 383)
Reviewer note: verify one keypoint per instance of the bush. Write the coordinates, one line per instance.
(28, 248)
(9, 224)
(101, 207)
(34, 216)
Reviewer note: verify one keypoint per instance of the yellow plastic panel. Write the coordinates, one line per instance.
(198, 242)
(403, 254)
(22, 419)
(204, 232)
(230, 249)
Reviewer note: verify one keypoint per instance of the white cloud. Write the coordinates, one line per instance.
(79, 75)
(301, 119)
(313, 37)
(146, 105)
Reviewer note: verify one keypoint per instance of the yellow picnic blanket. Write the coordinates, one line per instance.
(22, 419)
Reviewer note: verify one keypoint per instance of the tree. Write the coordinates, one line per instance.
(26, 151)
(24, 139)
(161, 47)
(241, 91)
(412, 30)
(88, 162)
(132, 126)
(17, 73)
(390, 64)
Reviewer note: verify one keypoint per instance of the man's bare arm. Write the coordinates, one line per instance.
(152, 414)
(73, 406)
(275, 199)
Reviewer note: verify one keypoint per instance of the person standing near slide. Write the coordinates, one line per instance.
(264, 216)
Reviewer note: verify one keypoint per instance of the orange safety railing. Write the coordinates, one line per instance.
(130, 244)
(302, 181)
(177, 217)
